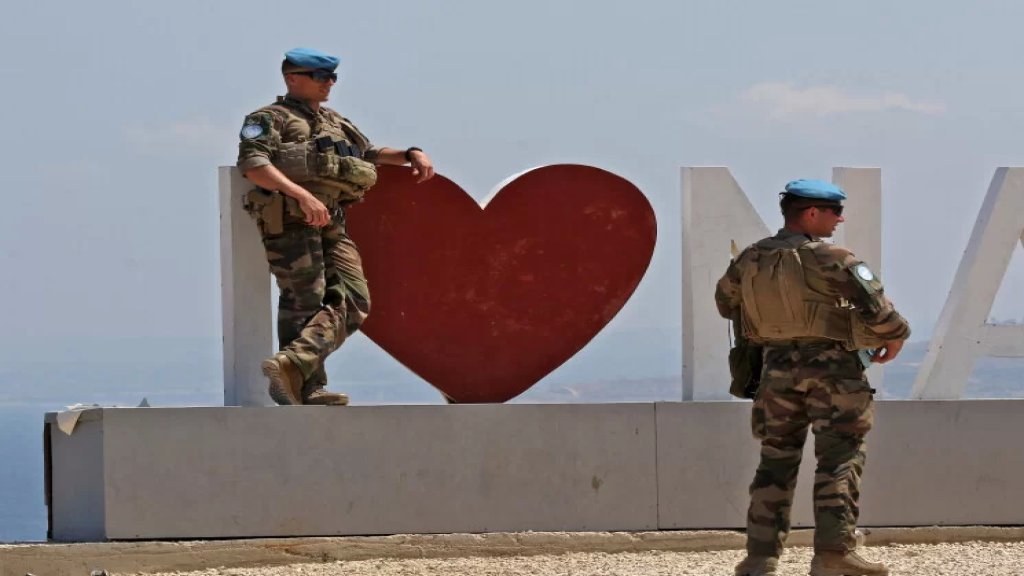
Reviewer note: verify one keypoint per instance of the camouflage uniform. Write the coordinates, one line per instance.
(817, 383)
(324, 295)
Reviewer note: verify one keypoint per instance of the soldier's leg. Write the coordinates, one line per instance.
(297, 262)
(325, 330)
(779, 421)
(313, 386)
(346, 304)
(842, 413)
(346, 263)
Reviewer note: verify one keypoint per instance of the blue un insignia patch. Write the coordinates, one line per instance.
(251, 131)
(864, 272)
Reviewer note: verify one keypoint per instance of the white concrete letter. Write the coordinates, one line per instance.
(962, 335)
(245, 297)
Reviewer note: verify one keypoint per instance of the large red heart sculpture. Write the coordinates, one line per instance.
(484, 302)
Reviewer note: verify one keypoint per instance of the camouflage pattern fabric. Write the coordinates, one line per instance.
(828, 273)
(814, 383)
(324, 294)
(291, 120)
(819, 386)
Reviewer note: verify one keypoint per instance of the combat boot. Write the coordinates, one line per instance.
(845, 564)
(313, 392)
(285, 380)
(315, 395)
(757, 566)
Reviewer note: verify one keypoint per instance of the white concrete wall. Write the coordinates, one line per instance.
(241, 472)
(928, 463)
(78, 489)
(145, 473)
(715, 213)
(245, 297)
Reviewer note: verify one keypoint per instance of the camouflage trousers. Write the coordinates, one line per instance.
(819, 386)
(324, 295)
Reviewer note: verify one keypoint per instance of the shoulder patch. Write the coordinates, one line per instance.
(864, 272)
(257, 125)
(250, 131)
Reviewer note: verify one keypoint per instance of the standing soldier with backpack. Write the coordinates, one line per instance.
(821, 316)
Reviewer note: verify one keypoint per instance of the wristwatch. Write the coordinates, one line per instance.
(409, 151)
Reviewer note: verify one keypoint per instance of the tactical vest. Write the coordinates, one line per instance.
(778, 305)
(329, 164)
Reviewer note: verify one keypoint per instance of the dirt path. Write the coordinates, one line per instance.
(967, 559)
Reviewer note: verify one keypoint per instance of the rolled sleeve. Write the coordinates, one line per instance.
(372, 153)
(246, 164)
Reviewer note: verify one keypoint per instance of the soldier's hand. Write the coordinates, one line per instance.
(422, 168)
(315, 212)
(887, 351)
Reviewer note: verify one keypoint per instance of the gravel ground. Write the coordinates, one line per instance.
(967, 559)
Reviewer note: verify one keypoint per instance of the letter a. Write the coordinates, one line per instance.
(962, 335)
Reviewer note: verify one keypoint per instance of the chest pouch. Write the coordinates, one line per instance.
(293, 161)
(328, 165)
(357, 172)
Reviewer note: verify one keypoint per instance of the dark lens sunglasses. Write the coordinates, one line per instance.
(837, 210)
(319, 75)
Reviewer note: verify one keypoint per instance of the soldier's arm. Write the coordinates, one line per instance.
(422, 167)
(849, 278)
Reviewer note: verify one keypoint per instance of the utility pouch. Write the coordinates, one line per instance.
(745, 363)
(273, 214)
(268, 209)
(328, 165)
(358, 172)
(324, 143)
(253, 201)
(345, 149)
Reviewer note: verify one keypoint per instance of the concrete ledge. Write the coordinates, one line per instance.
(955, 462)
(151, 557)
(186, 473)
(137, 474)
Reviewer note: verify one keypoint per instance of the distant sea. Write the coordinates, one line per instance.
(187, 372)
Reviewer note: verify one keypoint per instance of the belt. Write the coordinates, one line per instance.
(804, 344)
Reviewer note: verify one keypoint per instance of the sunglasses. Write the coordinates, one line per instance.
(319, 75)
(837, 210)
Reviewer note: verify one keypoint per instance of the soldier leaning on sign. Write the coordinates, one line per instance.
(309, 164)
(821, 317)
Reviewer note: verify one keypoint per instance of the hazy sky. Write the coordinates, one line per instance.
(118, 114)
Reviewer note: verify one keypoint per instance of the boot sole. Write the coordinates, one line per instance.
(341, 401)
(841, 572)
(279, 391)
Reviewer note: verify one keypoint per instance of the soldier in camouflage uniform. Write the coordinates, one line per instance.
(309, 163)
(821, 315)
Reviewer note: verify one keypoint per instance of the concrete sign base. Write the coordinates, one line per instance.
(179, 473)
